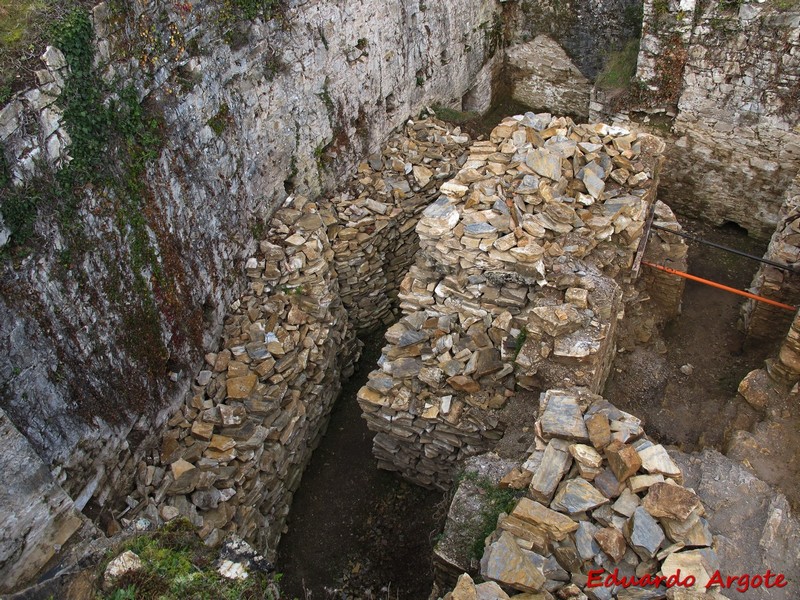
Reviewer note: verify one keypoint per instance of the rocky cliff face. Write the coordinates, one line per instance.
(588, 31)
(106, 315)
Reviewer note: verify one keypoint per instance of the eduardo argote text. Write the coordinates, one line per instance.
(740, 583)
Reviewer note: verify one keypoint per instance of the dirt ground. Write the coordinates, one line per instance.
(356, 532)
(701, 408)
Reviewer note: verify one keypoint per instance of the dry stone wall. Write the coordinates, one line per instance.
(763, 320)
(524, 262)
(375, 241)
(724, 81)
(234, 453)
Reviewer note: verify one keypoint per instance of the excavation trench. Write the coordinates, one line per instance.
(492, 315)
(359, 532)
(698, 406)
(355, 531)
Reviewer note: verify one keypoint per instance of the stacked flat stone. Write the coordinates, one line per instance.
(763, 320)
(544, 193)
(665, 248)
(598, 495)
(234, 453)
(504, 294)
(443, 375)
(375, 241)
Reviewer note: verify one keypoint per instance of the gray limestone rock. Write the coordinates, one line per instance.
(504, 562)
(644, 533)
(576, 496)
(440, 217)
(545, 163)
(584, 540)
(562, 417)
(555, 464)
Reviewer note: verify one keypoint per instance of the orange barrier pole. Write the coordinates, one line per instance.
(720, 286)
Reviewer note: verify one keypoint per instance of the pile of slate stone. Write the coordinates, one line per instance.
(505, 294)
(234, 453)
(540, 195)
(599, 496)
(375, 241)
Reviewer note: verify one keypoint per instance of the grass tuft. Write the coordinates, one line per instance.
(496, 501)
(620, 68)
(178, 566)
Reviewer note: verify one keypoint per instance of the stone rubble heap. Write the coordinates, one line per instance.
(598, 495)
(234, 453)
(523, 273)
(375, 241)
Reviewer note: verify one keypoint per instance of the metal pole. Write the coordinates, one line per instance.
(727, 249)
(720, 286)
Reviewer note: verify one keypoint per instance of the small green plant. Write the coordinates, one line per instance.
(519, 342)
(128, 593)
(729, 5)
(293, 291)
(362, 43)
(273, 64)
(19, 213)
(495, 501)
(493, 34)
(258, 229)
(319, 156)
(620, 68)
(325, 96)
(220, 121)
(322, 36)
(232, 13)
(632, 18)
(5, 92)
(451, 115)
(177, 565)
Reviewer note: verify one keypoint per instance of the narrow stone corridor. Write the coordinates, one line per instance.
(356, 531)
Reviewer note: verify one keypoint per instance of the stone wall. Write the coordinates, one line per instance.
(594, 493)
(97, 351)
(764, 320)
(724, 82)
(233, 455)
(376, 242)
(669, 250)
(586, 30)
(543, 77)
(524, 263)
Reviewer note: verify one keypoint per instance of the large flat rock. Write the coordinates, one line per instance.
(753, 525)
